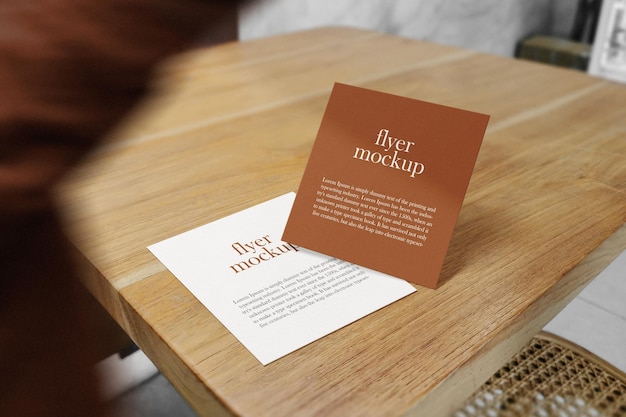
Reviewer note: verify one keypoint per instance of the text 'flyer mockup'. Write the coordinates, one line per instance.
(274, 296)
(385, 182)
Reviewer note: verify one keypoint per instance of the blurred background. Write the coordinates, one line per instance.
(493, 26)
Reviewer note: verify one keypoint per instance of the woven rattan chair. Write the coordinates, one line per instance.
(551, 377)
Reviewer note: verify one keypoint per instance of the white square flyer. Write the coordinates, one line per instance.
(275, 297)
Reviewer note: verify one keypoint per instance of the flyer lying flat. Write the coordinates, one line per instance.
(275, 297)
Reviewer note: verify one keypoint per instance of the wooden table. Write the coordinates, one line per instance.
(232, 126)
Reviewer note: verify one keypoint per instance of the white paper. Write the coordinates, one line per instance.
(608, 55)
(283, 297)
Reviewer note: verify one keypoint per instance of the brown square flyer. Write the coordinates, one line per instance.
(385, 182)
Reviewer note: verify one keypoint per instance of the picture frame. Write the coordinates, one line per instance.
(608, 55)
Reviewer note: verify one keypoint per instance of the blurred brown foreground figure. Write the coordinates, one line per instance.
(69, 70)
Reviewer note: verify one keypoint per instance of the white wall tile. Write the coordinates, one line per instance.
(608, 290)
(596, 319)
(594, 329)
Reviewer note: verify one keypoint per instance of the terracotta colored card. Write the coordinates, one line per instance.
(385, 182)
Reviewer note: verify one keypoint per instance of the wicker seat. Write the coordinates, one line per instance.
(551, 377)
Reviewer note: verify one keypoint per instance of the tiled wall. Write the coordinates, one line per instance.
(493, 26)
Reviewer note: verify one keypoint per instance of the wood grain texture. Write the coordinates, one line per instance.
(232, 126)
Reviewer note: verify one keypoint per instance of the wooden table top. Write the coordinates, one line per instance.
(232, 126)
